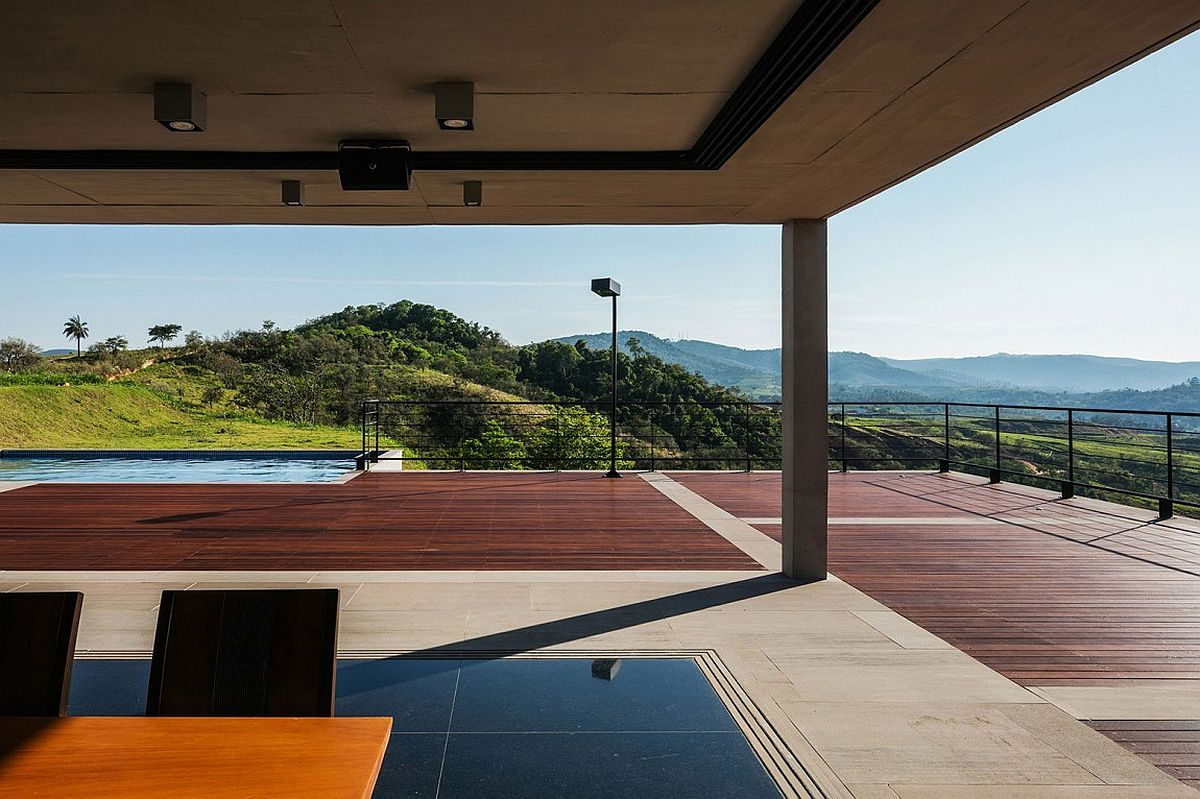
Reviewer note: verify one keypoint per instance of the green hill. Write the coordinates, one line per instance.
(181, 402)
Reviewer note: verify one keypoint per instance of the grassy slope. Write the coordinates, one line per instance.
(123, 416)
(159, 408)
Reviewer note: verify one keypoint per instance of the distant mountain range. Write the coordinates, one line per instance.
(757, 372)
(1077, 373)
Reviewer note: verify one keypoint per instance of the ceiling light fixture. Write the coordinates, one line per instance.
(180, 107)
(454, 105)
(293, 193)
(473, 193)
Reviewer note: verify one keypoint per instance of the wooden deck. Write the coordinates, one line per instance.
(1034, 587)
(374, 522)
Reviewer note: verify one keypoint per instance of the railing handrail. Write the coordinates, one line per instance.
(569, 402)
(1002, 405)
(777, 403)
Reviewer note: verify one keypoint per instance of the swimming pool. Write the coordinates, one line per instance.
(178, 468)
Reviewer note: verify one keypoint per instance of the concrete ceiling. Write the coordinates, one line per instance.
(915, 82)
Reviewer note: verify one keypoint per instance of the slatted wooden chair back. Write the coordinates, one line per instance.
(244, 653)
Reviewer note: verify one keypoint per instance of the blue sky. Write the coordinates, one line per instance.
(1073, 231)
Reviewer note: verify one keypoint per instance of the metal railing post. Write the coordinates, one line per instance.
(944, 466)
(995, 476)
(462, 439)
(1166, 507)
(746, 438)
(653, 440)
(378, 421)
(1068, 487)
(842, 444)
(362, 463)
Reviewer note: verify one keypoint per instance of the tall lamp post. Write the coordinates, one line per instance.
(607, 287)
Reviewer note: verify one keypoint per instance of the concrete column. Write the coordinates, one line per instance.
(805, 394)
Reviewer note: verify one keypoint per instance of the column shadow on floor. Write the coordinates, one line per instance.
(587, 625)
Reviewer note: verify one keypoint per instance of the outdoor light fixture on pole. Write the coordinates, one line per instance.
(607, 287)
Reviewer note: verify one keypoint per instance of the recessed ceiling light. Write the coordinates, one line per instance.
(454, 105)
(473, 193)
(180, 107)
(292, 192)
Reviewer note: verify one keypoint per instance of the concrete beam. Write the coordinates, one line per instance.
(805, 395)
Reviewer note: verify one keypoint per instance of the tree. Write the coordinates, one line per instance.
(493, 449)
(115, 344)
(193, 340)
(77, 329)
(212, 395)
(17, 354)
(572, 439)
(163, 333)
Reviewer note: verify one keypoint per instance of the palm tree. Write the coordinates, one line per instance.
(76, 328)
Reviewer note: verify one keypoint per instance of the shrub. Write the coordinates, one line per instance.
(212, 395)
(17, 354)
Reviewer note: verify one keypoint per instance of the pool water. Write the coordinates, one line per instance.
(535, 727)
(175, 470)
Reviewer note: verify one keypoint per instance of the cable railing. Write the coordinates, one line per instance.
(1145, 458)
(1139, 457)
(570, 434)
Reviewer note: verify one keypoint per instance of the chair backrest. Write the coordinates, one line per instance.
(244, 653)
(37, 649)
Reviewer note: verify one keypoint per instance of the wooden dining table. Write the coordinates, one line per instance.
(180, 758)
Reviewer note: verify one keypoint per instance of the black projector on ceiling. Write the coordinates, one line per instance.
(374, 165)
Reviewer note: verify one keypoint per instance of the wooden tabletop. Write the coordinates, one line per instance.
(107, 758)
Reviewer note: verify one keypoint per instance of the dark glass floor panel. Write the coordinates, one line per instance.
(603, 765)
(537, 727)
(562, 695)
(109, 687)
(417, 694)
(412, 766)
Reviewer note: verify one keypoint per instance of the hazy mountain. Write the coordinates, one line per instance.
(718, 363)
(860, 369)
(1075, 373)
(757, 372)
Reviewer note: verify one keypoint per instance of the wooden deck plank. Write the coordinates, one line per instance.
(1173, 746)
